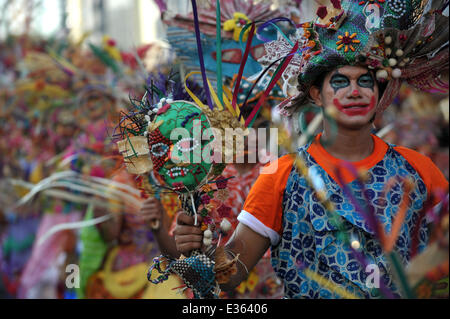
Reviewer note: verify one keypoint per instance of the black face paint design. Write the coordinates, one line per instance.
(339, 81)
(367, 81)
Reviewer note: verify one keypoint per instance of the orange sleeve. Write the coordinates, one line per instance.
(433, 178)
(262, 210)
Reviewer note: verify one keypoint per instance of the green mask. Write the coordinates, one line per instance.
(178, 158)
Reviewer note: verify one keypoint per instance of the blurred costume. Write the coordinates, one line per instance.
(15, 250)
(123, 268)
(44, 273)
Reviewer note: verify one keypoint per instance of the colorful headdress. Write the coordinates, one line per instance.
(234, 16)
(401, 40)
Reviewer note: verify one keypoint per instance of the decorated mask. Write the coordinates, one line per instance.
(178, 160)
(164, 135)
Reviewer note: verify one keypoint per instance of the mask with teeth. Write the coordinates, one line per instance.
(176, 146)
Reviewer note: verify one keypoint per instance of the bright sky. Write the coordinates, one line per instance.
(46, 16)
(49, 19)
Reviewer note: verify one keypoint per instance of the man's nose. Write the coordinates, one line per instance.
(354, 91)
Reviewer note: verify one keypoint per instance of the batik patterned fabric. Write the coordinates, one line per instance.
(310, 240)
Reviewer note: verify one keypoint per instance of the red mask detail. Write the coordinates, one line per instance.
(154, 138)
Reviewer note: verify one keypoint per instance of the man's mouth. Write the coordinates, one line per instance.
(176, 171)
(357, 108)
(354, 105)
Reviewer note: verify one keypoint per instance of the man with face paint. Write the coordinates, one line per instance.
(351, 92)
(344, 76)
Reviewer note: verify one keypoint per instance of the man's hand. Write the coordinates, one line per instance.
(187, 235)
(152, 212)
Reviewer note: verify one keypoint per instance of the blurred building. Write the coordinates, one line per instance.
(44, 17)
(130, 22)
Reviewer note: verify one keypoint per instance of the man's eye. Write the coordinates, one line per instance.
(366, 81)
(339, 81)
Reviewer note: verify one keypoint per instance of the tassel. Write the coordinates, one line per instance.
(224, 267)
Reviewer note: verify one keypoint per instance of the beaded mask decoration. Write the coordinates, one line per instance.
(401, 40)
(164, 151)
(179, 160)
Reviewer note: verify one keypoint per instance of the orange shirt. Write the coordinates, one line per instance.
(263, 211)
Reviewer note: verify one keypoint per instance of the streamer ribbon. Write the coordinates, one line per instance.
(243, 61)
(219, 52)
(226, 101)
(74, 225)
(276, 77)
(200, 54)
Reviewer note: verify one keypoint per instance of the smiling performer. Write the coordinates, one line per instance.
(355, 57)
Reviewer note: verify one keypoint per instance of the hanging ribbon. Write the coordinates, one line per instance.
(400, 275)
(220, 106)
(196, 99)
(44, 184)
(200, 54)
(65, 65)
(263, 73)
(273, 22)
(90, 185)
(219, 52)
(74, 225)
(388, 241)
(69, 196)
(323, 282)
(370, 218)
(243, 61)
(272, 84)
(227, 97)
